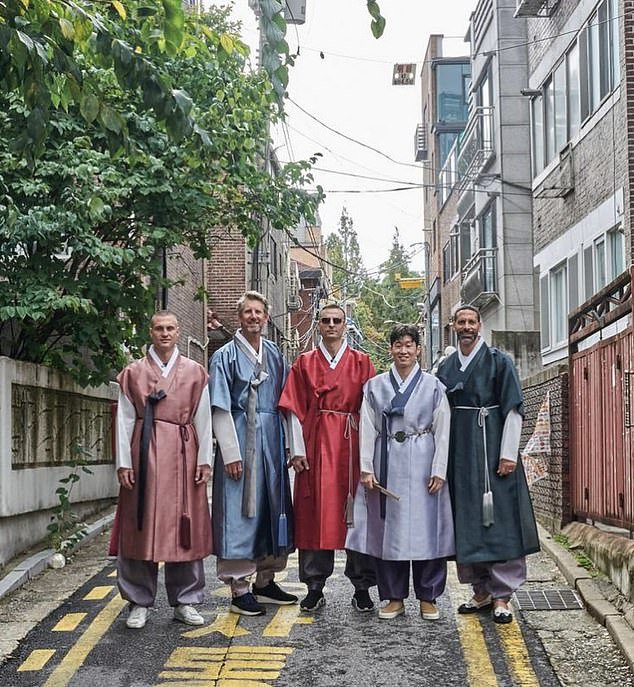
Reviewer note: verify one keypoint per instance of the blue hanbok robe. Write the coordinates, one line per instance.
(236, 536)
(419, 526)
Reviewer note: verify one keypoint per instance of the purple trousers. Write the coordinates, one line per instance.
(499, 579)
(429, 578)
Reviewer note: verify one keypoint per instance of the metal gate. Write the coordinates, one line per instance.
(601, 432)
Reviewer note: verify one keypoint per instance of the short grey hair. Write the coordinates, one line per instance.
(252, 296)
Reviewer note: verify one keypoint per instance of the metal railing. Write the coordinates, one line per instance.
(479, 277)
(476, 145)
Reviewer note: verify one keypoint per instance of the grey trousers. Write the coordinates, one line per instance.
(499, 579)
(237, 572)
(317, 565)
(137, 581)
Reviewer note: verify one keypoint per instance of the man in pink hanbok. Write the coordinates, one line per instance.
(163, 465)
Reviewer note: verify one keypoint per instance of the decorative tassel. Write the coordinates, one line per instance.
(349, 511)
(282, 531)
(186, 531)
(487, 509)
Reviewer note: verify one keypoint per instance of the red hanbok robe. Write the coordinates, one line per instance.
(327, 403)
(172, 458)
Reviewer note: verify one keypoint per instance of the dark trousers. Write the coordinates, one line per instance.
(429, 579)
(316, 566)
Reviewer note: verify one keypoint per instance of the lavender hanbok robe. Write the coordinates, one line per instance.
(236, 536)
(420, 525)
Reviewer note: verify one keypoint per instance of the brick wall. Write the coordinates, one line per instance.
(551, 495)
(188, 273)
(227, 280)
(540, 30)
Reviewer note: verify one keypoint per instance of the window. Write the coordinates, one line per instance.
(549, 120)
(559, 100)
(465, 243)
(452, 88)
(538, 134)
(588, 72)
(487, 244)
(616, 252)
(558, 305)
(574, 95)
(454, 250)
(599, 264)
(434, 319)
(446, 262)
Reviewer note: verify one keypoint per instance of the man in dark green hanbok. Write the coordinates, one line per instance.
(494, 522)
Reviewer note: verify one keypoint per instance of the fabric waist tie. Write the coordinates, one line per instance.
(146, 436)
(487, 497)
(351, 424)
(185, 530)
(250, 465)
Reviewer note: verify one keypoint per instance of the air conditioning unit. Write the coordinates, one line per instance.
(535, 8)
(420, 143)
(295, 11)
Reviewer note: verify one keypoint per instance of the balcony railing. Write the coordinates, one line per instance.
(479, 278)
(476, 145)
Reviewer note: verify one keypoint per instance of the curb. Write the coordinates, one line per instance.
(595, 602)
(34, 565)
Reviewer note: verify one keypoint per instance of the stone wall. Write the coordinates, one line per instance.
(551, 495)
(44, 416)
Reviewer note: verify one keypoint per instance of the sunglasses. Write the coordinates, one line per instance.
(331, 320)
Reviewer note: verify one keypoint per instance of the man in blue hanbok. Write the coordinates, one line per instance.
(404, 439)
(251, 505)
(495, 525)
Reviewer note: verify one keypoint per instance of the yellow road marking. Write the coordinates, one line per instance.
(225, 623)
(69, 622)
(475, 652)
(474, 649)
(283, 621)
(237, 665)
(516, 654)
(113, 573)
(77, 654)
(98, 593)
(36, 660)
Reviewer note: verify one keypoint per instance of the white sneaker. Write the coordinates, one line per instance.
(188, 615)
(137, 618)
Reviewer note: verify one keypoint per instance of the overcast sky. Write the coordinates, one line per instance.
(350, 90)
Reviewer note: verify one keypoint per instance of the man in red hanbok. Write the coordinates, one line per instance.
(323, 395)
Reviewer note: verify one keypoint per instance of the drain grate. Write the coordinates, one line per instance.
(548, 600)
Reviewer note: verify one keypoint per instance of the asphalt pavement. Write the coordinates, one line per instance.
(67, 627)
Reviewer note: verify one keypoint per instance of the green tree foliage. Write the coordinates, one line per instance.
(85, 222)
(343, 248)
(380, 301)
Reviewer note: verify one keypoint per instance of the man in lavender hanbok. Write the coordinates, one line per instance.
(402, 511)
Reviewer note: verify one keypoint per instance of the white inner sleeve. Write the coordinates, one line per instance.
(511, 435)
(367, 437)
(295, 435)
(126, 417)
(226, 436)
(202, 423)
(441, 421)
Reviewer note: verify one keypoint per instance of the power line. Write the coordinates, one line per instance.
(353, 140)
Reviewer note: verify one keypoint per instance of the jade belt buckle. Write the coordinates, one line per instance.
(400, 436)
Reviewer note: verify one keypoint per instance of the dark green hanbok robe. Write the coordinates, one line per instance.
(490, 381)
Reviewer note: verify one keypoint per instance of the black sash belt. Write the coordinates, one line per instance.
(146, 435)
(396, 407)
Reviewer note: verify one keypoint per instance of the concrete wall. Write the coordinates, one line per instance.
(42, 416)
(551, 495)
